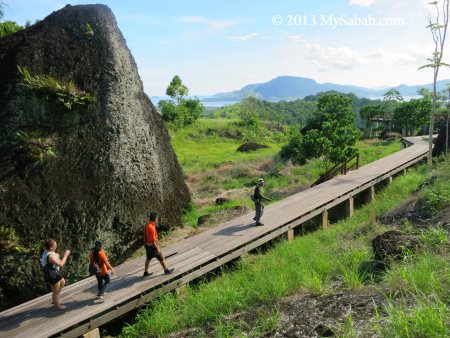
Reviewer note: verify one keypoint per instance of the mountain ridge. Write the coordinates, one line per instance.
(293, 87)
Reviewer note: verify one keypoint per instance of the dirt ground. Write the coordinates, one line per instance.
(306, 316)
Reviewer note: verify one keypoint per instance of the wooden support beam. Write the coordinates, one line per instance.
(389, 180)
(403, 171)
(350, 206)
(371, 196)
(324, 219)
(95, 333)
(181, 290)
(290, 235)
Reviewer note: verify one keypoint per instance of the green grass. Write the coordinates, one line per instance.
(191, 215)
(427, 317)
(205, 152)
(315, 263)
(201, 147)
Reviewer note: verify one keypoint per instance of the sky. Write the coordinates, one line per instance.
(220, 46)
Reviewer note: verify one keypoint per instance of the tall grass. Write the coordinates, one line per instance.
(210, 157)
(428, 317)
(201, 146)
(315, 263)
(205, 145)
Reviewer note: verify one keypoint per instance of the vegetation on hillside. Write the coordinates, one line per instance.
(297, 112)
(213, 168)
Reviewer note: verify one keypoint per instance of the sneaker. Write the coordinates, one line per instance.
(168, 271)
(146, 274)
(60, 307)
(259, 224)
(99, 297)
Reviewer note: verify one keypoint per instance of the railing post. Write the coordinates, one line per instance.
(357, 160)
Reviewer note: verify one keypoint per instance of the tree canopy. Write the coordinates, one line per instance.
(183, 111)
(333, 135)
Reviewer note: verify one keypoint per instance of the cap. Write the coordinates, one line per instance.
(98, 242)
(260, 180)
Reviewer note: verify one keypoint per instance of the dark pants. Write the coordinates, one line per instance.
(102, 284)
(259, 208)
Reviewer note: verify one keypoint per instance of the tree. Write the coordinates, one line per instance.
(338, 126)
(424, 92)
(411, 115)
(7, 27)
(183, 112)
(447, 119)
(438, 30)
(391, 99)
(336, 136)
(177, 90)
(368, 113)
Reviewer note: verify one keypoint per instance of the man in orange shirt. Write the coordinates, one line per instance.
(152, 248)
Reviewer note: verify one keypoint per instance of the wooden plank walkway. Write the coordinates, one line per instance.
(194, 256)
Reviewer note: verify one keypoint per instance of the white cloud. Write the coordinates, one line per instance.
(244, 37)
(296, 38)
(362, 3)
(342, 58)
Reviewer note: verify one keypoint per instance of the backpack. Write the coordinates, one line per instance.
(94, 267)
(253, 196)
(52, 274)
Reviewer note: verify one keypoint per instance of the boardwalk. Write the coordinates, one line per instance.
(196, 255)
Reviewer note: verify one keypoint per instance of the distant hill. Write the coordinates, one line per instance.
(292, 87)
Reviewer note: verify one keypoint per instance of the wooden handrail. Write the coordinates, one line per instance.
(342, 167)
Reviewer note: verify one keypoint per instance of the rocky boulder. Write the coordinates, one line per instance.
(439, 146)
(250, 146)
(91, 170)
(393, 245)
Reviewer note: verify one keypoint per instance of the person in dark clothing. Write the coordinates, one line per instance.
(258, 198)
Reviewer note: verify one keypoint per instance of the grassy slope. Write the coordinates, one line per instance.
(321, 262)
(261, 279)
(214, 168)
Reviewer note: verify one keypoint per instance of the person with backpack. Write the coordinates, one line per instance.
(52, 265)
(152, 248)
(258, 197)
(100, 267)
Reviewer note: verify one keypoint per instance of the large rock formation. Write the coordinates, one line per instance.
(439, 146)
(114, 161)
